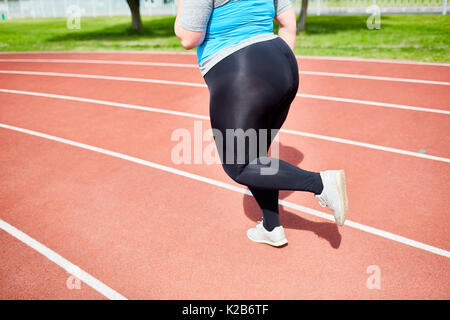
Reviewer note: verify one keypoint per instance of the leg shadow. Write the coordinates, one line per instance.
(325, 230)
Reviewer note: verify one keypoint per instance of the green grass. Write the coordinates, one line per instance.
(410, 37)
(407, 37)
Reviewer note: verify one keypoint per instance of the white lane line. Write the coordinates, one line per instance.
(366, 145)
(194, 66)
(197, 116)
(372, 103)
(191, 53)
(87, 76)
(358, 76)
(93, 61)
(368, 229)
(370, 60)
(355, 225)
(107, 103)
(183, 53)
(62, 262)
(200, 85)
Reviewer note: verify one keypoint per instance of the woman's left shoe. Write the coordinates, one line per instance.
(275, 238)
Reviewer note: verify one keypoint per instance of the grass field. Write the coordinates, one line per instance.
(408, 37)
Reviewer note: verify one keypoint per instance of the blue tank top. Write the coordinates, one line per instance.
(234, 22)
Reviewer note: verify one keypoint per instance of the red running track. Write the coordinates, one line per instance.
(149, 233)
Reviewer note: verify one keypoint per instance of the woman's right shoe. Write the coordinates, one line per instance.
(275, 237)
(334, 194)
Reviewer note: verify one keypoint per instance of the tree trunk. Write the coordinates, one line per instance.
(135, 14)
(301, 23)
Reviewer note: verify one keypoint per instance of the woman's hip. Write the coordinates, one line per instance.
(268, 63)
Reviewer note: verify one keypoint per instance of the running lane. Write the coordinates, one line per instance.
(171, 270)
(26, 274)
(127, 225)
(411, 94)
(395, 193)
(389, 127)
(383, 68)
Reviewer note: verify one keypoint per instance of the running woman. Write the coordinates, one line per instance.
(252, 77)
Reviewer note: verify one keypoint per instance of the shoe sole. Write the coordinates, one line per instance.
(342, 190)
(274, 244)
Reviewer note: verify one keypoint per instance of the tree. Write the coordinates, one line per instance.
(301, 23)
(135, 14)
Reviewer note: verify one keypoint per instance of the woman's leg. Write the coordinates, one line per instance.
(268, 202)
(252, 89)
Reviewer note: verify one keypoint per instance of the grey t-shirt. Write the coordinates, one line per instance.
(195, 16)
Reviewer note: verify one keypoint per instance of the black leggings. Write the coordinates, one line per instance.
(253, 88)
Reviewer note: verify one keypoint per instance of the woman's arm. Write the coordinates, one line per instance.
(288, 26)
(188, 39)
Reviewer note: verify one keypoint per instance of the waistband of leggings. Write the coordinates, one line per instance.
(225, 52)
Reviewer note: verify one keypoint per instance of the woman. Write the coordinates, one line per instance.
(252, 76)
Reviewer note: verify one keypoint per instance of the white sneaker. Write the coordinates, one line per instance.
(334, 194)
(275, 237)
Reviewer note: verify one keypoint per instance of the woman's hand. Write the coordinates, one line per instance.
(188, 39)
(288, 26)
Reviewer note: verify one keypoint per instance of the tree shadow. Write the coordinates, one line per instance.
(325, 230)
(325, 25)
(155, 27)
